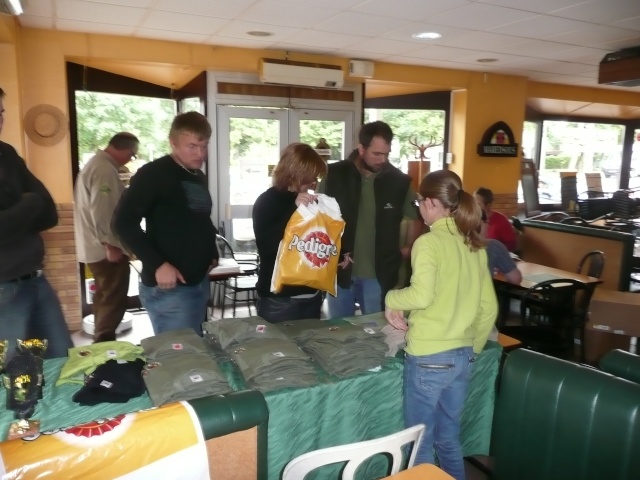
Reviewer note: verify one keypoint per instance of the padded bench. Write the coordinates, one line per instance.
(622, 364)
(555, 420)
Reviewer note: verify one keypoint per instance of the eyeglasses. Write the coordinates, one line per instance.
(134, 155)
(417, 201)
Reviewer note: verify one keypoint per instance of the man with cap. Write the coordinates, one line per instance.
(97, 192)
(28, 304)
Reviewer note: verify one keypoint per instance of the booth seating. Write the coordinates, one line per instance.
(555, 420)
(562, 246)
(621, 364)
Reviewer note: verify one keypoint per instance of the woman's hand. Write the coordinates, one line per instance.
(305, 199)
(396, 319)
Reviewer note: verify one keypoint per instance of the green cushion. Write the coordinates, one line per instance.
(555, 420)
(622, 364)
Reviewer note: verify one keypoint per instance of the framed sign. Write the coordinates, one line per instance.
(498, 141)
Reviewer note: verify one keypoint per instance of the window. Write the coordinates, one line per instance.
(419, 126)
(581, 147)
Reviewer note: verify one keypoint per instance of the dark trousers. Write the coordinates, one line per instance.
(282, 309)
(110, 298)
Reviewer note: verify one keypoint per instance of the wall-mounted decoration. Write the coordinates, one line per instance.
(45, 125)
(498, 141)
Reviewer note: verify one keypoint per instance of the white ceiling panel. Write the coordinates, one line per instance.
(286, 14)
(40, 8)
(98, 13)
(360, 24)
(558, 40)
(209, 8)
(411, 9)
(33, 21)
(539, 6)
(239, 29)
(180, 22)
(478, 16)
(101, 28)
(601, 11)
(324, 40)
(540, 26)
(170, 36)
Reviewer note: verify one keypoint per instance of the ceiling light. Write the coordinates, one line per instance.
(426, 35)
(487, 60)
(259, 33)
(11, 7)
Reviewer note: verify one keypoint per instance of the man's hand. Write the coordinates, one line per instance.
(214, 264)
(114, 254)
(167, 276)
(396, 319)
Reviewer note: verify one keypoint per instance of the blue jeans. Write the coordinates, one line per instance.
(282, 309)
(31, 309)
(175, 308)
(435, 388)
(364, 291)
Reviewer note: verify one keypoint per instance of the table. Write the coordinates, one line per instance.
(533, 273)
(426, 471)
(336, 412)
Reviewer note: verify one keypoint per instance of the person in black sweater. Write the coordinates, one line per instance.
(29, 307)
(295, 175)
(178, 248)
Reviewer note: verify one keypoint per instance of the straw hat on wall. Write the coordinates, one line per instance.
(45, 125)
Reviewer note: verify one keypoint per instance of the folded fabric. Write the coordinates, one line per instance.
(183, 377)
(116, 381)
(84, 360)
(235, 331)
(174, 342)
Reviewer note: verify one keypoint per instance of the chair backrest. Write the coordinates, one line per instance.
(595, 261)
(623, 206)
(356, 453)
(529, 180)
(224, 247)
(560, 303)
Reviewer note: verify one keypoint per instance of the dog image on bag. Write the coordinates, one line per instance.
(309, 251)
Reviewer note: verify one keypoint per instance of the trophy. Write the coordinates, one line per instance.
(3, 353)
(37, 347)
(22, 379)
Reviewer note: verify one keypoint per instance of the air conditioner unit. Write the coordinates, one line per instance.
(11, 7)
(621, 68)
(285, 72)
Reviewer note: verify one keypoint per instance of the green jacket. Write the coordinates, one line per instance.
(451, 297)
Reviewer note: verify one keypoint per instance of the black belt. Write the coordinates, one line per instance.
(28, 276)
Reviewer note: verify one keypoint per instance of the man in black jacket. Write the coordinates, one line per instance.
(178, 246)
(374, 197)
(29, 307)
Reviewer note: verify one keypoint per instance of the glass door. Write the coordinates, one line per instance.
(330, 132)
(249, 143)
(250, 140)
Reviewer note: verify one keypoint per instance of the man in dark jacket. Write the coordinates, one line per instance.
(29, 307)
(374, 197)
(177, 248)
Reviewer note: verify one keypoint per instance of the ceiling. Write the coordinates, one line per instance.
(554, 41)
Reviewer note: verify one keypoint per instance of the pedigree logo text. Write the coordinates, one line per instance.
(316, 246)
